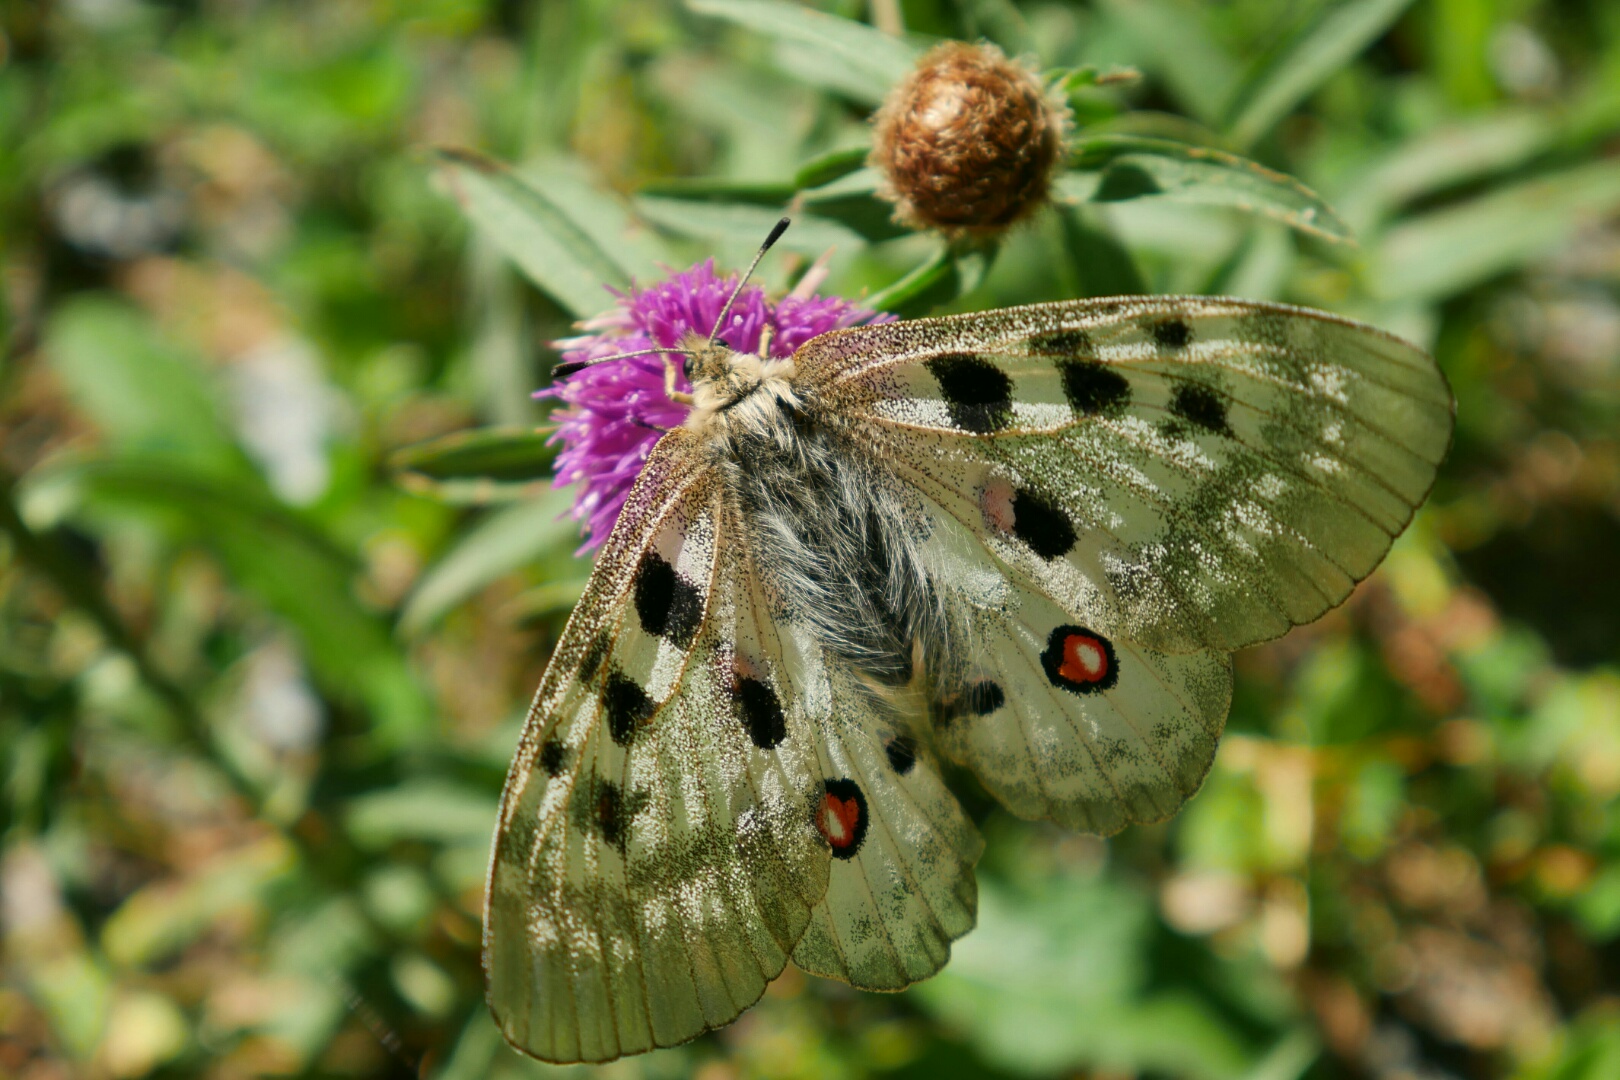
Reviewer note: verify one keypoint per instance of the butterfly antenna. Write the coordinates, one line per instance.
(776, 234)
(564, 370)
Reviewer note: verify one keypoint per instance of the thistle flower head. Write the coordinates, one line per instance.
(968, 142)
(614, 412)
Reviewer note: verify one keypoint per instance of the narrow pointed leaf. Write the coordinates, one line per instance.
(851, 56)
(1134, 167)
(485, 465)
(1273, 89)
(551, 249)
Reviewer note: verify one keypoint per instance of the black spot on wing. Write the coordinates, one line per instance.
(1093, 388)
(902, 753)
(1072, 343)
(668, 604)
(595, 654)
(984, 697)
(1041, 525)
(762, 714)
(609, 813)
(1172, 334)
(979, 698)
(977, 393)
(1201, 407)
(627, 705)
(553, 756)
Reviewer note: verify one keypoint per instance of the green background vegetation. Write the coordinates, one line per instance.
(261, 667)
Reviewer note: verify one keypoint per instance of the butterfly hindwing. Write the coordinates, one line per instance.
(654, 865)
(901, 887)
(1191, 472)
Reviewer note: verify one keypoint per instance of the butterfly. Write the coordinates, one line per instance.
(1024, 541)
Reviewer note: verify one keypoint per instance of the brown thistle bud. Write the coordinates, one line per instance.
(967, 143)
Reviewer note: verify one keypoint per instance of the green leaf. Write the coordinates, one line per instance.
(160, 919)
(280, 558)
(1441, 253)
(948, 275)
(731, 207)
(833, 165)
(1097, 262)
(850, 56)
(720, 192)
(147, 396)
(551, 249)
(1135, 167)
(745, 224)
(548, 599)
(478, 466)
(1270, 91)
(507, 540)
(433, 810)
(1057, 980)
(1445, 157)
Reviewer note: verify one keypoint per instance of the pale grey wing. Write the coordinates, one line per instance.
(1058, 719)
(653, 865)
(1189, 472)
(901, 885)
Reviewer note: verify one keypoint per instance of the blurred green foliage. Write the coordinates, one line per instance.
(279, 569)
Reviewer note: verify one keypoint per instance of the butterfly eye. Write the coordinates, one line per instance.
(686, 366)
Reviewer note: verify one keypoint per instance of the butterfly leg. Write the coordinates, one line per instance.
(765, 335)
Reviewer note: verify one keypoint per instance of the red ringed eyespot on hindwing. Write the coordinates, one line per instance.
(668, 605)
(977, 393)
(841, 816)
(1079, 660)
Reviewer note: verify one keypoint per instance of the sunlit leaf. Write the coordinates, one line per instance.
(478, 466)
(1442, 252)
(1269, 92)
(508, 539)
(850, 56)
(1134, 167)
(551, 249)
(942, 279)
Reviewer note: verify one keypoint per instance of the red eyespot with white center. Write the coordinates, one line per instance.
(841, 817)
(1080, 660)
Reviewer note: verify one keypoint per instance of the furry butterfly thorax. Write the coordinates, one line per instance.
(1024, 541)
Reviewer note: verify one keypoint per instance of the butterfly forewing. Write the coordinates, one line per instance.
(653, 865)
(1210, 471)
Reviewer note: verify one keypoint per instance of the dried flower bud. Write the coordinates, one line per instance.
(967, 142)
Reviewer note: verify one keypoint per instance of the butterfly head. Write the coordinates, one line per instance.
(731, 387)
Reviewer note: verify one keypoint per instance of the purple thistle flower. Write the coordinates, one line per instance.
(615, 412)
